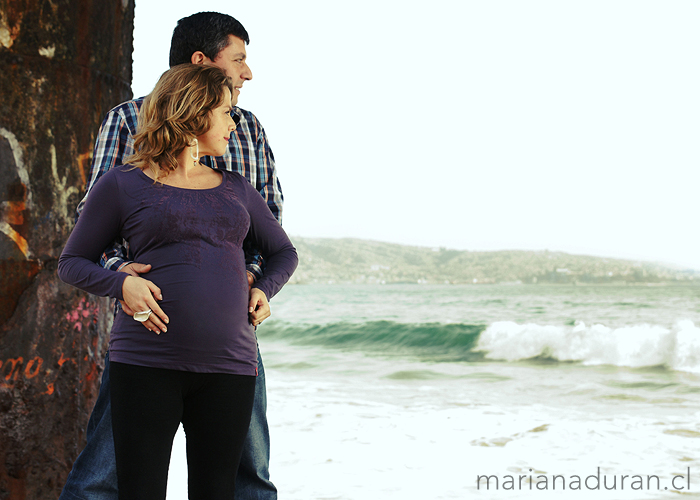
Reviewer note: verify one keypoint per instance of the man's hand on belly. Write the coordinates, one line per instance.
(258, 307)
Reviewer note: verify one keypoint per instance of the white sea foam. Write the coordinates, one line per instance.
(687, 351)
(677, 348)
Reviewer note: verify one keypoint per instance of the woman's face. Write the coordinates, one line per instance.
(215, 141)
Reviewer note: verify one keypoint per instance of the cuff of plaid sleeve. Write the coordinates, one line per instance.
(255, 270)
(118, 264)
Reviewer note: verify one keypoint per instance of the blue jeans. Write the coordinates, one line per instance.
(94, 474)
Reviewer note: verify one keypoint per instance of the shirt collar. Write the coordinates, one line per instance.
(236, 115)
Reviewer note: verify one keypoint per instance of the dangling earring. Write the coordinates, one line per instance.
(195, 156)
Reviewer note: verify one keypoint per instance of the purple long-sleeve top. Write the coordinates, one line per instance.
(193, 240)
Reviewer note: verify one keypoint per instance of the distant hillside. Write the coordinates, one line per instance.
(361, 261)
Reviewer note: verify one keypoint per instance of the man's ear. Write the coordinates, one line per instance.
(199, 58)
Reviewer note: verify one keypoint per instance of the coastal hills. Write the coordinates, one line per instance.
(347, 261)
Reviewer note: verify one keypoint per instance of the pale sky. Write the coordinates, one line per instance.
(476, 125)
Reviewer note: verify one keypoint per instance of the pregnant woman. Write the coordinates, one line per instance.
(189, 353)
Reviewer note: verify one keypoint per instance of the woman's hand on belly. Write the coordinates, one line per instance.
(134, 269)
(141, 295)
(258, 307)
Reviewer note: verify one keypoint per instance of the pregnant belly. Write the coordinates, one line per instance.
(199, 300)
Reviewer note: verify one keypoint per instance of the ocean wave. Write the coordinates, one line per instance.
(438, 341)
(676, 348)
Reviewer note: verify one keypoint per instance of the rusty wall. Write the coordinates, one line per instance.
(63, 65)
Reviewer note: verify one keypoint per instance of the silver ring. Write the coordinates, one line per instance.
(142, 316)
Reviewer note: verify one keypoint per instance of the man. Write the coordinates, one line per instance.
(213, 39)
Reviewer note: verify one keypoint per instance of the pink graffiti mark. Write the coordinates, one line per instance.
(81, 312)
(14, 369)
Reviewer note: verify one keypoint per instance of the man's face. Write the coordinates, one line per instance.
(232, 60)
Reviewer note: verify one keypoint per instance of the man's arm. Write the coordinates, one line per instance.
(268, 185)
(114, 143)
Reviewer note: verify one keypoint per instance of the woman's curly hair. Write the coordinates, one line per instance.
(175, 113)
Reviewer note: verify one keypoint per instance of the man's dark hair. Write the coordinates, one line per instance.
(205, 31)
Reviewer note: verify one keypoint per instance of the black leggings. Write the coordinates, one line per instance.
(148, 405)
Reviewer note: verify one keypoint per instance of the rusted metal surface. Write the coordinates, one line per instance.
(63, 64)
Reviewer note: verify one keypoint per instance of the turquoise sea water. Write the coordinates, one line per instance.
(619, 326)
(411, 392)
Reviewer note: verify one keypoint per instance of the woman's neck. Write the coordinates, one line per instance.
(187, 165)
(190, 173)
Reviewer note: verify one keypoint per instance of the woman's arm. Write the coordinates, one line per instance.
(96, 229)
(274, 244)
(115, 141)
(99, 224)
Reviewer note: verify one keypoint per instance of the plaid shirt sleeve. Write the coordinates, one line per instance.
(268, 185)
(267, 182)
(114, 142)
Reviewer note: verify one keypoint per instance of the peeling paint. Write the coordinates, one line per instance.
(84, 161)
(47, 51)
(61, 190)
(14, 194)
(6, 39)
(22, 172)
(10, 232)
(38, 83)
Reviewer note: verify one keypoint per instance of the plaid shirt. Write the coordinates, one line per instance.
(248, 154)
